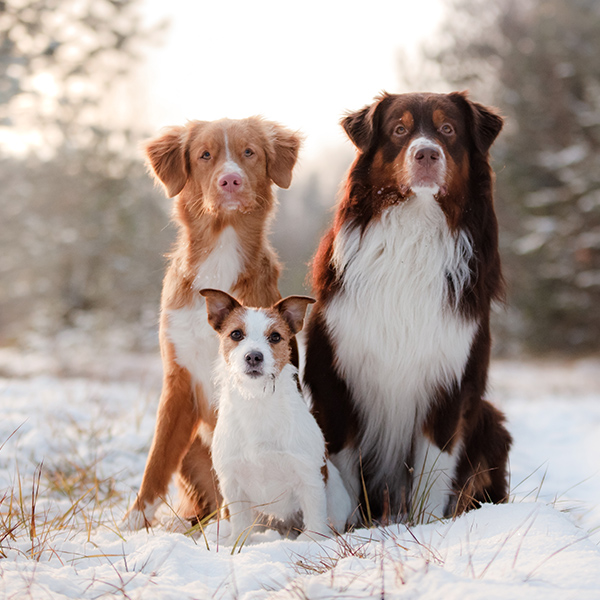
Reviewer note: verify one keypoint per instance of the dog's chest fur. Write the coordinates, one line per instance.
(396, 332)
(195, 341)
(267, 443)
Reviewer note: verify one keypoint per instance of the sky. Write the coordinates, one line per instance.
(303, 64)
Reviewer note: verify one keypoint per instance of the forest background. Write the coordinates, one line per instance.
(83, 231)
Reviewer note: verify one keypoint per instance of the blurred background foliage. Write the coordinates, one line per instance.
(82, 227)
(539, 62)
(83, 231)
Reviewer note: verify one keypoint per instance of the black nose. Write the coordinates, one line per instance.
(427, 155)
(254, 358)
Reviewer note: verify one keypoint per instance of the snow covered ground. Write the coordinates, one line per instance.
(74, 435)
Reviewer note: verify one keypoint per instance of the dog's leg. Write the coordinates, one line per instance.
(432, 481)
(339, 504)
(242, 515)
(313, 503)
(330, 398)
(482, 470)
(176, 424)
(198, 483)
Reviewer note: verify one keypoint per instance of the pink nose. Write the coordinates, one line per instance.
(230, 181)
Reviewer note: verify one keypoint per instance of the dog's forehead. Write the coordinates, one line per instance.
(420, 110)
(242, 131)
(227, 131)
(257, 322)
(234, 320)
(204, 135)
(243, 128)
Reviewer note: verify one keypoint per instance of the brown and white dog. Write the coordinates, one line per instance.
(398, 344)
(268, 451)
(222, 174)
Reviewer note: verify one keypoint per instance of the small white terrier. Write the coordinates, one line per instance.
(267, 449)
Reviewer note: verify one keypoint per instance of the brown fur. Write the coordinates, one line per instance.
(266, 154)
(226, 315)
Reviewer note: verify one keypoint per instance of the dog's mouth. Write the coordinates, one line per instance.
(229, 203)
(254, 373)
(403, 192)
(438, 190)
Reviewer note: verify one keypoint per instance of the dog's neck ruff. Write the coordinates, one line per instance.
(394, 324)
(223, 263)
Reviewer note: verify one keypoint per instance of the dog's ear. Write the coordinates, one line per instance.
(218, 305)
(360, 126)
(293, 310)
(487, 126)
(486, 122)
(167, 158)
(282, 153)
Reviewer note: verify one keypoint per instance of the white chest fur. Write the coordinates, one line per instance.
(269, 453)
(260, 441)
(396, 334)
(196, 343)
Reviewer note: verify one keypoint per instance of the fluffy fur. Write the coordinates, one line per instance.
(221, 174)
(398, 343)
(267, 449)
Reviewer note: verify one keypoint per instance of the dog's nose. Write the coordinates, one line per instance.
(427, 155)
(230, 181)
(254, 358)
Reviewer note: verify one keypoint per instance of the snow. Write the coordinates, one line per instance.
(90, 431)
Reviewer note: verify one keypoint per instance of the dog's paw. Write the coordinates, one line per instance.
(134, 520)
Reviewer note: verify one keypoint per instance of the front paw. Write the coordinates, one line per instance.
(140, 516)
(134, 520)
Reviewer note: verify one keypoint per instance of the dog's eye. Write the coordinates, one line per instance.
(275, 337)
(248, 152)
(236, 335)
(206, 155)
(447, 129)
(400, 130)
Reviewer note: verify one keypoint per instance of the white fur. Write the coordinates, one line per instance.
(136, 519)
(268, 450)
(432, 484)
(230, 166)
(223, 265)
(397, 336)
(196, 343)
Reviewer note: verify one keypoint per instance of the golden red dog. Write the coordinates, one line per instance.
(221, 174)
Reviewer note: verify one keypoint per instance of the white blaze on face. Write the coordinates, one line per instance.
(230, 180)
(230, 165)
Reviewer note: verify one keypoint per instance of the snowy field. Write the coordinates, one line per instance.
(74, 435)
